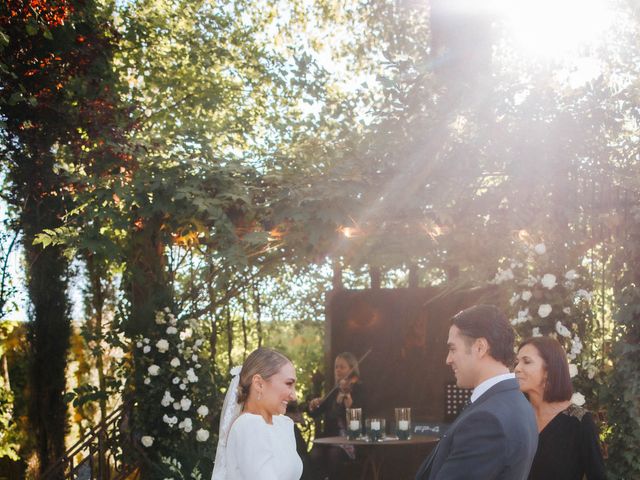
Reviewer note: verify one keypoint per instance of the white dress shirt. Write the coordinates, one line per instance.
(488, 383)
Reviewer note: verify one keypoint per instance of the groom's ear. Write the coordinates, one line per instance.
(481, 346)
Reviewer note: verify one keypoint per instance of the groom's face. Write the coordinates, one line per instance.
(461, 358)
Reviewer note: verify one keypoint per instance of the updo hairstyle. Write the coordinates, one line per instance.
(262, 361)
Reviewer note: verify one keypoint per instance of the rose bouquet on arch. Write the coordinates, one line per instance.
(177, 393)
(545, 296)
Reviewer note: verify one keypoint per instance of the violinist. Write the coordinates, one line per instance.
(349, 394)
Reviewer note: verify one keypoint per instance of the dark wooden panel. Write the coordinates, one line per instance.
(408, 330)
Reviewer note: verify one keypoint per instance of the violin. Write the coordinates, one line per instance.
(351, 378)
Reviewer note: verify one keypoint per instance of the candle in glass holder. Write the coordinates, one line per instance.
(403, 423)
(354, 423)
(375, 429)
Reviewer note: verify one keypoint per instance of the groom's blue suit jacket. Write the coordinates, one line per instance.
(493, 438)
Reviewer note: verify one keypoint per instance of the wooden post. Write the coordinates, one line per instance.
(337, 275)
(413, 276)
(374, 273)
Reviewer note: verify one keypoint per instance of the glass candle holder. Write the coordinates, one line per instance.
(354, 423)
(403, 423)
(376, 429)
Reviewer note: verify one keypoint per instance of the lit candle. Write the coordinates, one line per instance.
(375, 425)
(354, 425)
(403, 424)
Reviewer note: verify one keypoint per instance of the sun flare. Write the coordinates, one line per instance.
(557, 28)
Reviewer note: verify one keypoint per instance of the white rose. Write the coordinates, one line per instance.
(584, 294)
(513, 299)
(175, 362)
(186, 425)
(566, 310)
(139, 344)
(571, 275)
(202, 435)
(147, 381)
(536, 332)
(175, 381)
(540, 249)
(166, 399)
(577, 399)
(162, 345)
(544, 310)
(183, 386)
(548, 280)
(562, 330)
(160, 318)
(166, 419)
(146, 349)
(194, 358)
(154, 370)
(203, 410)
(573, 370)
(146, 440)
(199, 342)
(177, 406)
(185, 403)
(145, 340)
(172, 330)
(576, 346)
(526, 295)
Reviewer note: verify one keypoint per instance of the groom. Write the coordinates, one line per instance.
(496, 436)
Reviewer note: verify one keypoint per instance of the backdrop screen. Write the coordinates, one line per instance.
(407, 330)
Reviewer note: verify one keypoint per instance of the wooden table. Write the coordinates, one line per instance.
(374, 451)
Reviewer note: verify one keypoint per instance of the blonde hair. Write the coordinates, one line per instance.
(262, 361)
(352, 361)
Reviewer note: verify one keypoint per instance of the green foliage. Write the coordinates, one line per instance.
(10, 434)
(622, 394)
(178, 401)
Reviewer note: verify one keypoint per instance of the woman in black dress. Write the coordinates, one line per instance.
(349, 394)
(568, 446)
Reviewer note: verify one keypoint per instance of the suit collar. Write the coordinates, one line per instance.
(503, 386)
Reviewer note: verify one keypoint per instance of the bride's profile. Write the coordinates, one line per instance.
(257, 440)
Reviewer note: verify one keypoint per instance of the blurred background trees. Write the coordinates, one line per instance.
(221, 159)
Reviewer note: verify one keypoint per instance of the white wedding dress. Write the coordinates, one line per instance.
(251, 449)
(259, 451)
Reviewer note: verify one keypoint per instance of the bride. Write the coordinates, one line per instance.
(256, 439)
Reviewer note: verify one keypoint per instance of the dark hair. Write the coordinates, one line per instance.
(558, 386)
(262, 361)
(486, 321)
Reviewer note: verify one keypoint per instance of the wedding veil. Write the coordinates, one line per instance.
(231, 409)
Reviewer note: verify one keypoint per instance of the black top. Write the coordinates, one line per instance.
(335, 422)
(568, 448)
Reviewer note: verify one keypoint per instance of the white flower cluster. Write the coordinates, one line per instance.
(547, 299)
(176, 373)
(502, 276)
